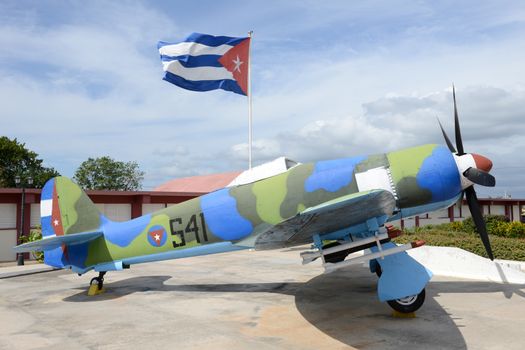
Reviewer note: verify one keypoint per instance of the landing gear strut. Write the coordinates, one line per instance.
(99, 280)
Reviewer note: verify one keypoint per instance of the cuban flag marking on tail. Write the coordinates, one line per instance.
(205, 62)
(50, 217)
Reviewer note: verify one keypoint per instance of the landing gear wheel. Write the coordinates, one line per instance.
(379, 272)
(99, 280)
(408, 304)
(334, 257)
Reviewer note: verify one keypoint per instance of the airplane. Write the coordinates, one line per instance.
(338, 206)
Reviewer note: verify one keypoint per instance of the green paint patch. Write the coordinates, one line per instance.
(407, 162)
(269, 194)
(68, 195)
(102, 250)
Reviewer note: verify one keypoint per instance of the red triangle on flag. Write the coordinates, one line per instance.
(236, 60)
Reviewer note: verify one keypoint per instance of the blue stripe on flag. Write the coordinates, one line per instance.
(47, 191)
(47, 228)
(204, 85)
(188, 61)
(206, 39)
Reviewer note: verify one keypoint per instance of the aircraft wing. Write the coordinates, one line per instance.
(57, 241)
(328, 217)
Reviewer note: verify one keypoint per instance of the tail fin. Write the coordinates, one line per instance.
(65, 209)
(61, 203)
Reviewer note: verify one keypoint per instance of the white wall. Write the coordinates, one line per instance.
(150, 208)
(7, 242)
(115, 212)
(8, 215)
(516, 212)
(497, 209)
(35, 215)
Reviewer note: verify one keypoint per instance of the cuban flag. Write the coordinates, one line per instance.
(205, 62)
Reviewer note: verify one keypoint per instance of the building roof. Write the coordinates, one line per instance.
(199, 184)
(209, 183)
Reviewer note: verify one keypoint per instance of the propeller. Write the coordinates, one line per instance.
(478, 175)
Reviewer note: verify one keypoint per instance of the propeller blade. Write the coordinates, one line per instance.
(459, 141)
(447, 140)
(481, 227)
(480, 177)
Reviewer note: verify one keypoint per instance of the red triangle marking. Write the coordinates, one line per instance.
(236, 60)
(55, 214)
(160, 233)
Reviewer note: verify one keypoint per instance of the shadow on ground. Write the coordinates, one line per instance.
(343, 305)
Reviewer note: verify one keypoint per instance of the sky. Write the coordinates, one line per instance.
(330, 79)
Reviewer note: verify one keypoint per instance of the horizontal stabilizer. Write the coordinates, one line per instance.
(57, 241)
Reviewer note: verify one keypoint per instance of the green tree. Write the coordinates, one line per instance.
(16, 159)
(105, 173)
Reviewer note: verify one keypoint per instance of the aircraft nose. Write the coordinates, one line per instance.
(482, 163)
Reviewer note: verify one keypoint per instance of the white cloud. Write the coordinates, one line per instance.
(330, 80)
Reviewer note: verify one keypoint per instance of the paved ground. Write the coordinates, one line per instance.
(251, 300)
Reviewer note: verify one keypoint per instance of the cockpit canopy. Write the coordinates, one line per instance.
(263, 171)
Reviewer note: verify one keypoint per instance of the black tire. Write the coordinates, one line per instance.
(99, 281)
(408, 304)
(378, 271)
(334, 257)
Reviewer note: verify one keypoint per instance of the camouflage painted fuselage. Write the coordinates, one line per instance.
(422, 179)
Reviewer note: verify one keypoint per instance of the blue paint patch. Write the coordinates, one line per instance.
(427, 208)
(222, 216)
(47, 228)
(213, 248)
(332, 175)
(123, 233)
(77, 254)
(439, 174)
(74, 256)
(53, 257)
(402, 276)
(47, 191)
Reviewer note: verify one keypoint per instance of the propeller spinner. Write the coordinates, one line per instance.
(474, 169)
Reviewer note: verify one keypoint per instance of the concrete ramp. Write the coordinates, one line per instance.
(456, 262)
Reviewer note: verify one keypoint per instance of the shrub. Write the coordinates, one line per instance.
(510, 229)
(490, 220)
(34, 235)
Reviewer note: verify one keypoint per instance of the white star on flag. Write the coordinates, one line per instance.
(238, 63)
(56, 222)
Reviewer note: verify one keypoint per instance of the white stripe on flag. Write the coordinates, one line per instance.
(193, 49)
(197, 73)
(46, 207)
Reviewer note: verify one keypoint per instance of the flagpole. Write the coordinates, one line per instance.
(250, 136)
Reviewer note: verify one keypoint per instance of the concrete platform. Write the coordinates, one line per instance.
(29, 269)
(251, 300)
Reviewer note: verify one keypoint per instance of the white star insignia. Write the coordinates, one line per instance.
(157, 237)
(238, 63)
(56, 222)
